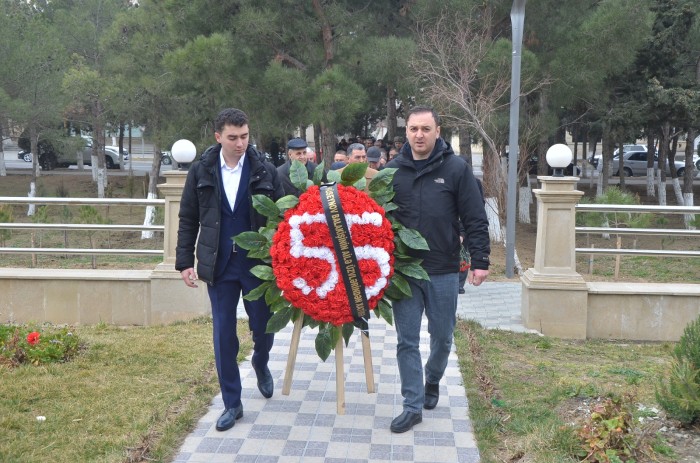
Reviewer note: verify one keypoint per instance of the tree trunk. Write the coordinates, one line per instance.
(152, 191)
(688, 177)
(3, 169)
(465, 145)
(621, 166)
(524, 200)
(328, 142)
(651, 191)
(390, 113)
(664, 140)
(34, 146)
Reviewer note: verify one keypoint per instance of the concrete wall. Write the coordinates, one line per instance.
(86, 297)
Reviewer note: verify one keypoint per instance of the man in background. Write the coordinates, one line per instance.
(296, 150)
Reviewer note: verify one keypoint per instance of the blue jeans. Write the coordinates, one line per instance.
(438, 297)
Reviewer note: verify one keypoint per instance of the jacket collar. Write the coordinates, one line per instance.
(441, 150)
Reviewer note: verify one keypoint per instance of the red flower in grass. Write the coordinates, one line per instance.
(33, 338)
(304, 260)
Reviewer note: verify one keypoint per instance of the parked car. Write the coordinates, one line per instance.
(26, 156)
(595, 159)
(635, 164)
(165, 158)
(569, 171)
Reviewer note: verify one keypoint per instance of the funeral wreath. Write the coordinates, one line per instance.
(330, 251)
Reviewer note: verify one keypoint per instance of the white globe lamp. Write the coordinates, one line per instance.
(183, 152)
(559, 157)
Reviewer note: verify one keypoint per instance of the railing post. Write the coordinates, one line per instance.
(172, 191)
(555, 296)
(171, 300)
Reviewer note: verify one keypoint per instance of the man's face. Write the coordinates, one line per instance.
(340, 157)
(393, 152)
(422, 133)
(298, 154)
(233, 139)
(311, 156)
(357, 156)
(368, 142)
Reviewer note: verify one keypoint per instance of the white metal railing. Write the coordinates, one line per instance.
(82, 226)
(688, 210)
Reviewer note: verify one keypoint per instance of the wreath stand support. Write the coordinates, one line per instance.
(339, 367)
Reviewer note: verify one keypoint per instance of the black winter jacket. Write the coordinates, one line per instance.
(200, 208)
(434, 201)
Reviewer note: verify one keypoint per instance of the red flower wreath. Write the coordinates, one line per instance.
(304, 261)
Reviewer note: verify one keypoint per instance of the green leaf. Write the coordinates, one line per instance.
(266, 206)
(272, 294)
(348, 329)
(264, 272)
(318, 174)
(353, 172)
(389, 206)
(279, 320)
(298, 175)
(383, 180)
(286, 202)
(333, 176)
(324, 342)
(261, 253)
(250, 240)
(401, 284)
(382, 196)
(385, 311)
(411, 269)
(360, 184)
(309, 183)
(280, 304)
(393, 293)
(413, 239)
(257, 293)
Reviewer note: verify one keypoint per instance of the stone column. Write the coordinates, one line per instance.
(555, 296)
(171, 300)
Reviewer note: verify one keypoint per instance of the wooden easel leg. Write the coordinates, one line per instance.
(369, 370)
(339, 377)
(292, 358)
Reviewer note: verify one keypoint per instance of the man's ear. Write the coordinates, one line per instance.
(217, 137)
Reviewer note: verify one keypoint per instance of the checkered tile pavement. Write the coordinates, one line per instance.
(304, 426)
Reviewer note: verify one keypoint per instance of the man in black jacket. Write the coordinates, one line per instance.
(296, 150)
(217, 205)
(435, 192)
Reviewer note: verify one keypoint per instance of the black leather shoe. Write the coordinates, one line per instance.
(432, 394)
(266, 384)
(405, 421)
(228, 418)
(462, 291)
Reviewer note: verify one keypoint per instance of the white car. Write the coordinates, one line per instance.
(595, 159)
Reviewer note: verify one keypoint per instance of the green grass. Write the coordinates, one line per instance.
(519, 384)
(132, 394)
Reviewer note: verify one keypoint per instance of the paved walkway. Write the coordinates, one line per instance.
(304, 426)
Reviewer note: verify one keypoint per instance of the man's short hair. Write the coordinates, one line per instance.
(355, 146)
(230, 116)
(424, 109)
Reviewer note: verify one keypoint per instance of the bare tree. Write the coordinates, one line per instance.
(462, 75)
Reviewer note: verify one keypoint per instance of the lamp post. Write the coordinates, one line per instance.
(517, 18)
(183, 152)
(559, 157)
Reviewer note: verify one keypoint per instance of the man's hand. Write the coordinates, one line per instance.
(189, 276)
(476, 277)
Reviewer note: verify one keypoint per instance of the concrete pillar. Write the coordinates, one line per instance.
(555, 296)
(171, 300)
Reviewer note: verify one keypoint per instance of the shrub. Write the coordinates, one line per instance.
(607, 436)
(21, 344)
(680, 396)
